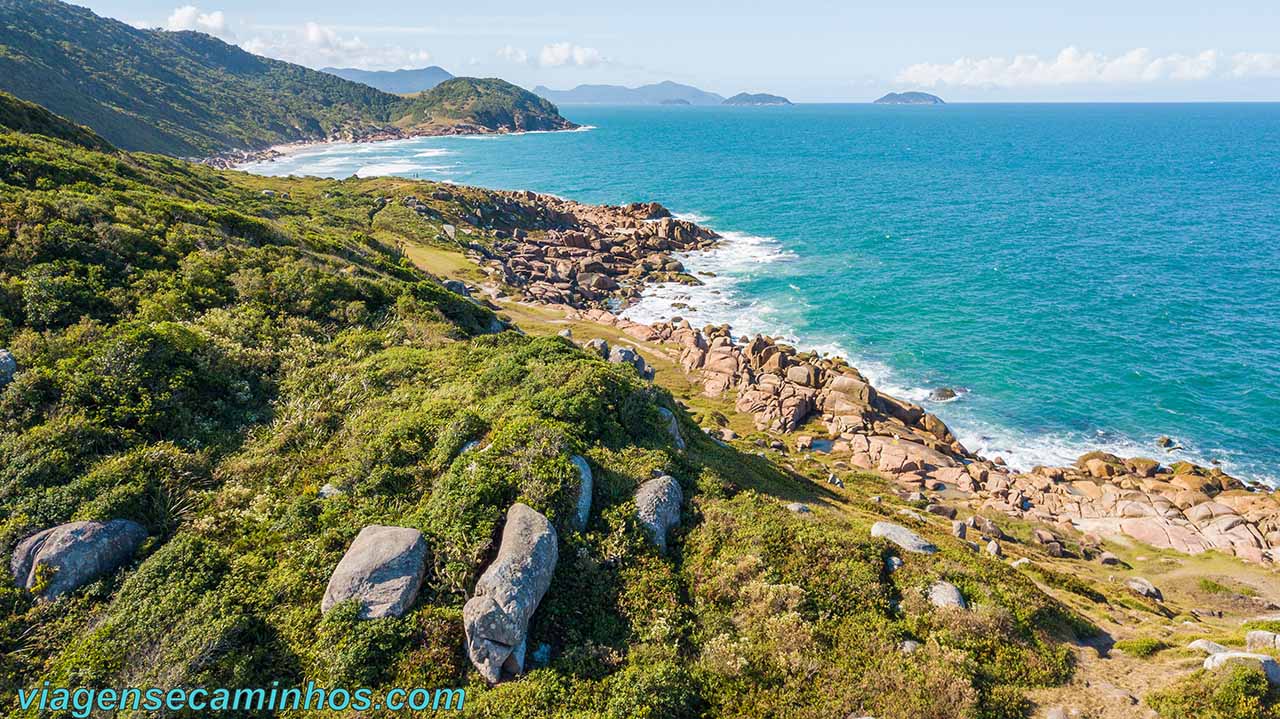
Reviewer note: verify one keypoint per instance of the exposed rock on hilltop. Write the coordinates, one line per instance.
(909, 98)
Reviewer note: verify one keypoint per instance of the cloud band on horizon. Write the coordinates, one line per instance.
(1072, 66)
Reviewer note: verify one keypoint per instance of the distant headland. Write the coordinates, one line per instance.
(910, 98)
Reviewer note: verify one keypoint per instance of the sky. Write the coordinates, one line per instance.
(808, 50)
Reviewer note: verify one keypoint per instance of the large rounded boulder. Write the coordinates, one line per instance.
(64, 558)
(382, 569)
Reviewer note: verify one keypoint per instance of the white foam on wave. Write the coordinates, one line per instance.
(519, 133)
(390, 168)
(720, 300)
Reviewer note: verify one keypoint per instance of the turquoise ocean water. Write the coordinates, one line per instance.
(1091, 276)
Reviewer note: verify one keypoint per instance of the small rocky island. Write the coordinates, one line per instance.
(759, 98)
(910, 98)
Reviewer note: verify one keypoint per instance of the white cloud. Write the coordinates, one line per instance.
(513, 54)
(189, 17)
(317, 45)
(1255, 64)
(566, 53)
(1071, 66)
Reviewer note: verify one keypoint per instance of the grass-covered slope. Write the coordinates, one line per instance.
(33, 119)
(488, 103)
(203, 351)
(191, 95)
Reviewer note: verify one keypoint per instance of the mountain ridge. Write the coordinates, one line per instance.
(398, 82)
(651, 94)
(189, 94)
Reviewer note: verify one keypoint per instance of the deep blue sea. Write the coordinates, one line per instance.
(1090, 276)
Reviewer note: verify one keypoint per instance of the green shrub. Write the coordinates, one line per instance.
(1141, 646)
(1233, 693)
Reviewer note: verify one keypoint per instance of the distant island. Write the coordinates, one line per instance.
(399, 82)
(910, 98)
(759, 98)
(675, 101)
(661, 93)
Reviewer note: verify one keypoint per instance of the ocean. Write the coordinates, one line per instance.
(1085, 276)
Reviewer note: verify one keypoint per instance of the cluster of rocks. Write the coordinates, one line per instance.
(384, 568)
(1183, 506)
(1187, 508)
(1254, 656)
(561, 252)
(782, 389)
(620, 354)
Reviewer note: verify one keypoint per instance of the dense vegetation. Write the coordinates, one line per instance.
(1234, 693)
(202, 351)
(181, 93)
(487, 102)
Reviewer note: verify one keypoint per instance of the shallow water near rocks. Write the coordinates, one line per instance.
(1092, 276)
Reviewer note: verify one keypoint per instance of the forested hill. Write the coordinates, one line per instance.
(181, 93)
(480, 104)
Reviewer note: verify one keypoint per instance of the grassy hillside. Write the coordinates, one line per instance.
(202, 351)
(33, 119)
(188, 94)
(488, 102)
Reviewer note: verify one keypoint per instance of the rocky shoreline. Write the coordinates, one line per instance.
(591, 261)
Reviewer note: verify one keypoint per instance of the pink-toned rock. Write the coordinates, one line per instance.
(1208, 511)
(1165, 535)
(1099, 469)
(949, 475)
